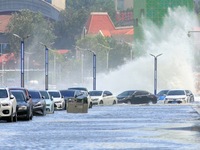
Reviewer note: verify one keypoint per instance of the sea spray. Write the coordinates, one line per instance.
(175, 67)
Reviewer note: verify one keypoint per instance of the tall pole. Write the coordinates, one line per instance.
(22, 57)
(46, 67)
(155, 72)
(94, 71)
(22, 63)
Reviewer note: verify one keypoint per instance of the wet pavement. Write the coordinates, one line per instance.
(107, 127)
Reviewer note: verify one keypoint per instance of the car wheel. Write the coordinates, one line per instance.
(90, 106)
(10, 119)
(101, 102)
(128, 102)
(28, 115)
(114, 102)
(15, 117)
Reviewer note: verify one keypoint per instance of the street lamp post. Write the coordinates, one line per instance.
(22, 57)
(189, 32)
(46, 66)
(155, 72)
(94, 65)
(107, 55)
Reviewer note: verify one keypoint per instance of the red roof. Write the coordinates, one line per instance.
(4, 21)
(100, 22)
(62, 51)
(7, 57)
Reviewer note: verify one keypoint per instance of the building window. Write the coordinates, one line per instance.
(120, 5)
(3, 48)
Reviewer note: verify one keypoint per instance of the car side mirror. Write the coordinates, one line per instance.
(43, 97)
(12, 97)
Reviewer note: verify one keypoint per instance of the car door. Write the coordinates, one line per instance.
(138, 97)
(105, 98)
(109, 98)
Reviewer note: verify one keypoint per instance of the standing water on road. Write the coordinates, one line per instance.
(175, 65)
(127, 127)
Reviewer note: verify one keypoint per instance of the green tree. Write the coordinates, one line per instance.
(34, 26)
(118, 52)
(70, 26)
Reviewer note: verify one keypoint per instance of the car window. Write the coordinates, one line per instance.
(34, 94)
(44, 94)
(108, 93)
(3, 93)
(67, 93)
(95, 93)
(54, 94)
(126, 93)
(19, 96)
(176, 92)
(161, 93)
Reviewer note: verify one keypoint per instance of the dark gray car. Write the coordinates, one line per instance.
(136, 97)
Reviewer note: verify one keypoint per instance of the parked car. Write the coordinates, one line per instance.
(58, 99)
(191, 95)
(28, 96)
(69, 94)
(48, 100)
(177, 96)
(86, 92)
(102, 97)
(136, 97)
(24, 107)
(161, 95)
(8, 105)
(39, 104)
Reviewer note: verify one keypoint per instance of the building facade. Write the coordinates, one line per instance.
(155, 10)
(60, 4)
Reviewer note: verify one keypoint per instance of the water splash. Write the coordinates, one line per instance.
(175, 66)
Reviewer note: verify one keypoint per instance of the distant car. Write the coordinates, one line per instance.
(161, 95)
(177, 96)
(39, 104)
(49, 101)
(102, 97)
(28, 96)
(136, 97)
(24, 107)
(58, 99)
(191, 95)
(8, 105)
(87, 93)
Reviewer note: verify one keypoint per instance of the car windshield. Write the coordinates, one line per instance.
(176, 92)
(163, 92)
(34, 94)
(54, 94)
(19, 96)
(78, 88)
(3, 93)
(67, 93)
(95, 93)
(45, 94)
(126, 93)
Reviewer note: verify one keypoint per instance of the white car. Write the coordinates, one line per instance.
(58, 99)
(8, 105)
(177, 96)
(49, 101)
(102, 97)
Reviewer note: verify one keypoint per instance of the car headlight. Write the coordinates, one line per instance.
(38, 104)
(22, 107)
(6, 104)
(58, 102)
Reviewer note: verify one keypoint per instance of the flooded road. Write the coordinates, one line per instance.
(107, 127)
